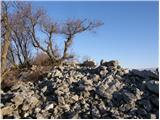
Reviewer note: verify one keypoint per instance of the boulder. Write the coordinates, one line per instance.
(153, 86)
(145, 104)
(18, 100)
(113, 63)
(144, 73)
(8, 110)
(89, 63)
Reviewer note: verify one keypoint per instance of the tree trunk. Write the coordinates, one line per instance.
(5, 51)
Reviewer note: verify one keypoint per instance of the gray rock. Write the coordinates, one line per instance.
(50, 106)
(118, 77)
(89, 63)
(57, 74)
(101, 91)
(37, 109)
(110, 63)
(95, 78)
(66, 107)
(75, 91)
(87, 81)
(39, 116)
(59, 93)
(153, 86)
(16, 115)
(81, 87)
(153, 116)
(95, 113)
(144, 73)
(25, 107)
(117, 99)
(61, 100)
(146, 104)
(126, 71)
(75, 97)
(120, 73)
(155, 101)
(128, 97)
(33, 101)
(103, 73)
(49, 75)
(18, 100)
(86, 94)
(26, 115)
(1, 105)
(44, 89)
(8, 110)
(142, 112)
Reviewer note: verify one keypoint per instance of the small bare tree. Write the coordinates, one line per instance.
(48, 29)
(21, 39)
(73, 27)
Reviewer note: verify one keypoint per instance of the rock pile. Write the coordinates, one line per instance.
(75, 91)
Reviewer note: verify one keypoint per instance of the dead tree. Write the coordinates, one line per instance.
(73, 27)
(22, 43)
(6, 27)
(38, 21)
(48, 29)
(20, 37)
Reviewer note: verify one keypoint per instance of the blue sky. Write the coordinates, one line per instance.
(129, 33)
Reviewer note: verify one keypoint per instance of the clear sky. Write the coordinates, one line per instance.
(129, 33)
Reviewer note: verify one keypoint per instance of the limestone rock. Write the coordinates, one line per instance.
(153, 86)
(75, 97)
(18, 99)
(110, 63)
(8, 110)
(78, 91)
(89, 63)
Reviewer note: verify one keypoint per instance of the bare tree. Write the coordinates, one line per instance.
(73, 27)
(28, 23)
(21, 39)
(39, 21)
(48, 29)
(6, 32)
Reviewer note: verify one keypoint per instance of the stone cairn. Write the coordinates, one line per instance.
(78, 91)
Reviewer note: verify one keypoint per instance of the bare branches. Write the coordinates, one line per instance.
(73, 27)
(20, 36)
(27, 26)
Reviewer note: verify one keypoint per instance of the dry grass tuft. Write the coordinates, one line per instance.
(41, 59)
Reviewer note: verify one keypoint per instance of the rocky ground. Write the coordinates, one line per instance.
(85, 91)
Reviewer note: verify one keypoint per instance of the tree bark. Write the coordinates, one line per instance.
(5, 48)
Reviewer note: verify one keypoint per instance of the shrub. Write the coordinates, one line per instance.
(41, 59)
